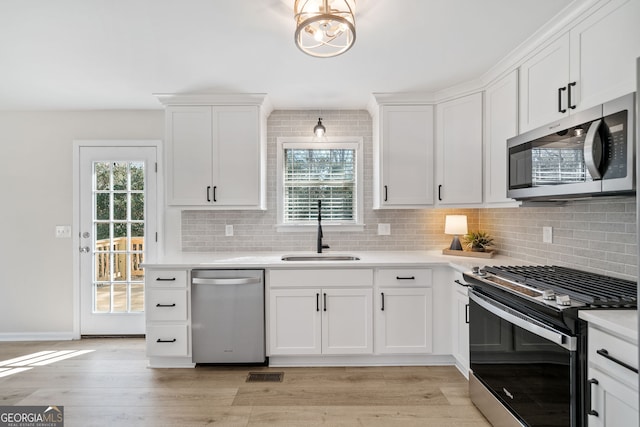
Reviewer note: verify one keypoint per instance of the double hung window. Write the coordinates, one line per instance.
(326, 171)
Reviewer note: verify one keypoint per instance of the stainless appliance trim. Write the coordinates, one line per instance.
(230, 281)
(525, 322)
(489, 405)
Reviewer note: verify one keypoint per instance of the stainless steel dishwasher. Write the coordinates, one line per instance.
(227, 316)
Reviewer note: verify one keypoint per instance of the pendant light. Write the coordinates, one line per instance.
(325, 28)
(319, 129)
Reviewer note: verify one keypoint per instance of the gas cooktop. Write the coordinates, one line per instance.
(561, 286)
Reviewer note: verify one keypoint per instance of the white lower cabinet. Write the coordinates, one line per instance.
(460, 324)
(403, 311)
(305, 319)
(612, 375)
(168, 339)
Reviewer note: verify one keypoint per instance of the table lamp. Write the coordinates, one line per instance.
(456, 225)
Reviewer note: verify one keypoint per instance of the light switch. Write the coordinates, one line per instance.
(547, 234)
(63, 231)
(228, 230)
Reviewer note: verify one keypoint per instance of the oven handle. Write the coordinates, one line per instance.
(525, 322)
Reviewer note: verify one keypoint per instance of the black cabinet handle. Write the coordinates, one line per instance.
(466, 313)
(386, 193)
(166, 341)
(161, 279)
(440, 192)
(166, 305)
(560, 90)
(208, 191)
(466, 285)
(572, 84)
(406, 278)
(590, 410)
(382, 295)
(214, 193)
(325, 302)
(604, 353)
(317, 301)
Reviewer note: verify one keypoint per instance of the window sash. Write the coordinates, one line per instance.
(327, 173)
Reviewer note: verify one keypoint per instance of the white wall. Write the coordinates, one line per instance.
(36, 289)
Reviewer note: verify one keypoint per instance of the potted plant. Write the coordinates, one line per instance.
(478, 241)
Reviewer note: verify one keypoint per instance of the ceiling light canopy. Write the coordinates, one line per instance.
(325, 28)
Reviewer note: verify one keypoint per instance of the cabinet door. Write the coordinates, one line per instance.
(294, 321)
(347, 321)
(501, 123)
(406, 157)
(459, 147)
(604, 48)
(237, 170)
(188, 159)
(541, 78)
(614, 403)
(403, 320)
(461, 332)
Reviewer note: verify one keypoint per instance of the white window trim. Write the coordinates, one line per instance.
(336, 142)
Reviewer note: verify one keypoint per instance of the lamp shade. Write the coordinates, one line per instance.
(455, 224)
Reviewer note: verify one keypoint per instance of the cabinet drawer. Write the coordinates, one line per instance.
(169, 340)
(618, 349)
(405, 277)
(166, 278)
(321, 278)
(166, 304)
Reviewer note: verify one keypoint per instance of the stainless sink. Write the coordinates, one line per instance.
(320, 257)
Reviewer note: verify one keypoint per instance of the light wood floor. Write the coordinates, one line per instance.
(113, 387)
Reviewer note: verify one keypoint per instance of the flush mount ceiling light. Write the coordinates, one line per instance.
(319, 129)
(325, 28)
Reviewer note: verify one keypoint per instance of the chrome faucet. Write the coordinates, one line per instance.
(320, 245)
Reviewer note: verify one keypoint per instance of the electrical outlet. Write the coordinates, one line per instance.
(547, 235)
(63, 231)
(384, 229)
(228, 230)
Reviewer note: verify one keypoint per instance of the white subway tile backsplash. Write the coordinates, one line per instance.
(598, 235)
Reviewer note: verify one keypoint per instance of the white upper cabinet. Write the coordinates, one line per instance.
(591, 63)
(459, 151)
(403, 156)
(603, 51)
(501, 123)
(216, 156)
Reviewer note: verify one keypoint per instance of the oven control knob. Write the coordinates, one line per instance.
(563, 300)
(548, 294)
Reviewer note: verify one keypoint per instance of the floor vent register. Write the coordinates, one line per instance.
(262, 377)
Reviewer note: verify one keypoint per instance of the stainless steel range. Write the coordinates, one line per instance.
(527, 345)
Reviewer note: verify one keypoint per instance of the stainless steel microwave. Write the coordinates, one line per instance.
(589, 153)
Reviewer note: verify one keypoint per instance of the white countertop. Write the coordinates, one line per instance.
(619, 322)
(367, 259)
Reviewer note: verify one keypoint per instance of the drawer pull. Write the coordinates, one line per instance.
(162, 279)
(591, 411)
(406, 278)
(166, 305)
(166, 341)
(604, 353)
(382, 295)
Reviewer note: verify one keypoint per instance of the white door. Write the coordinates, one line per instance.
(347, 320)
(294, 321)
(117, 227)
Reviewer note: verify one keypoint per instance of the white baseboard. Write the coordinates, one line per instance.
(37, 336)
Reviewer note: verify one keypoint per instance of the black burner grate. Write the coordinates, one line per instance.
(590, 288)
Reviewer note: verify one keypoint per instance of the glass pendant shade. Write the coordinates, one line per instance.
(325, 28)
(319, 129)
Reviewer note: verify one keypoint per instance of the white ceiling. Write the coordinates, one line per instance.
(115, 54)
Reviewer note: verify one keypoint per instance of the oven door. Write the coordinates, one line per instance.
(530, 368)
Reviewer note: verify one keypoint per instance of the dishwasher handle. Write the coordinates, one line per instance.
(227, 281)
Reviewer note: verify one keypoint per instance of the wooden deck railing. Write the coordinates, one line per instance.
(120, 253)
